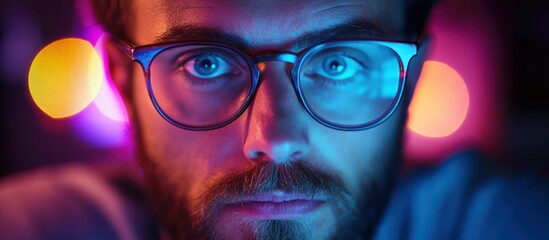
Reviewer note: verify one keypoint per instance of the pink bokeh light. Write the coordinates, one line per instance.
(98, 130)
(466, 46)
(104, 123)
(108, 101)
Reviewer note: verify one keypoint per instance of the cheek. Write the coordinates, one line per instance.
(189, 157)
(364, 156)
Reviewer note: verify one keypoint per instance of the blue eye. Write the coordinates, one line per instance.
(338, 67)
(207, 65)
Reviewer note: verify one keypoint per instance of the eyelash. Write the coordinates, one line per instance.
(355, 58)
(181, 63)
(324, 81)
(194, 82)
(180, 69)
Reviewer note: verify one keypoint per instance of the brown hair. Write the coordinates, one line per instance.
(115, 16)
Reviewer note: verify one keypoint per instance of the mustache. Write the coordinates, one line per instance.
(293, 177)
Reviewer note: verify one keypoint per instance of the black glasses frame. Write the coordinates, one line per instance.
(145, 55)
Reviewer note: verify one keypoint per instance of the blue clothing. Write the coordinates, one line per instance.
(467, 198)
(464, 198)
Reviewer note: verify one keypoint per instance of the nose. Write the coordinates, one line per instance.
(277, 124)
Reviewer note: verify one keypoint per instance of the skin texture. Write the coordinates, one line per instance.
(189, 171)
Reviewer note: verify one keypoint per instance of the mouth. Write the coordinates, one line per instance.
(276, 205)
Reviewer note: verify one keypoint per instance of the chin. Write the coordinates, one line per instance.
(318, 223)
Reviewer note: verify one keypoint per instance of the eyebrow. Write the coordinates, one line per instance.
(182, 33)
(348, 30)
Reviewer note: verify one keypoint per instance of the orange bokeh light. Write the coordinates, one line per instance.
(65, 77)
(440, 102)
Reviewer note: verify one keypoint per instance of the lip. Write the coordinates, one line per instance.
(276, 205)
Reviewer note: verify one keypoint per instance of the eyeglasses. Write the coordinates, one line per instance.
(345, 85)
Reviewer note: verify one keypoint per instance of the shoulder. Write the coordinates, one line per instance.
(467, 197)
(73, 202)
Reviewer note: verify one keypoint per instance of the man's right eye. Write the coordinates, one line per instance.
(207, 65)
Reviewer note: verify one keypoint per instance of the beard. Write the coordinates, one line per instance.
(356, 216)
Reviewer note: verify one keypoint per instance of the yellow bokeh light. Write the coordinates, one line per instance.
(65, 77)
(440, 102)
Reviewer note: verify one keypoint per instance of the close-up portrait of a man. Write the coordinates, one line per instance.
(265, 120)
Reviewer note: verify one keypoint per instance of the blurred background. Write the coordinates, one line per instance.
(485, 87)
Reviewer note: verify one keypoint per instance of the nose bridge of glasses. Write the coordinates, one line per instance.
(284, 57)
(275, 57)
(276, 91)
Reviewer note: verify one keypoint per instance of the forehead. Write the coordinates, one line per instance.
(266, 24)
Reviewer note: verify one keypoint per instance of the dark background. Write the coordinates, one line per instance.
(29, 139)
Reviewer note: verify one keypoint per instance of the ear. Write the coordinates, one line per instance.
(119, 68)
(415, 67)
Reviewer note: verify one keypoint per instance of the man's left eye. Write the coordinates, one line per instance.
(338, 67)
(207, 66)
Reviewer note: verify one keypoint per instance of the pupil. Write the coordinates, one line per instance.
(334, 65)
(205, 66)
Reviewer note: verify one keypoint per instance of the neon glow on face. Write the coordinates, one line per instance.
(275, 137)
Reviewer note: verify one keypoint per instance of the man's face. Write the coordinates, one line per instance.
(274, 170)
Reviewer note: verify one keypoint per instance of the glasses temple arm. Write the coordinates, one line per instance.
(124, 47)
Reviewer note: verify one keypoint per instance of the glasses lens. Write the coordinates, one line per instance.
(351, 83)
(200, 85)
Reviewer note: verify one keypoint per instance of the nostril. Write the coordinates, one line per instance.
(259, 157)
(255, 155)
(296, 155)
(270, 151)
